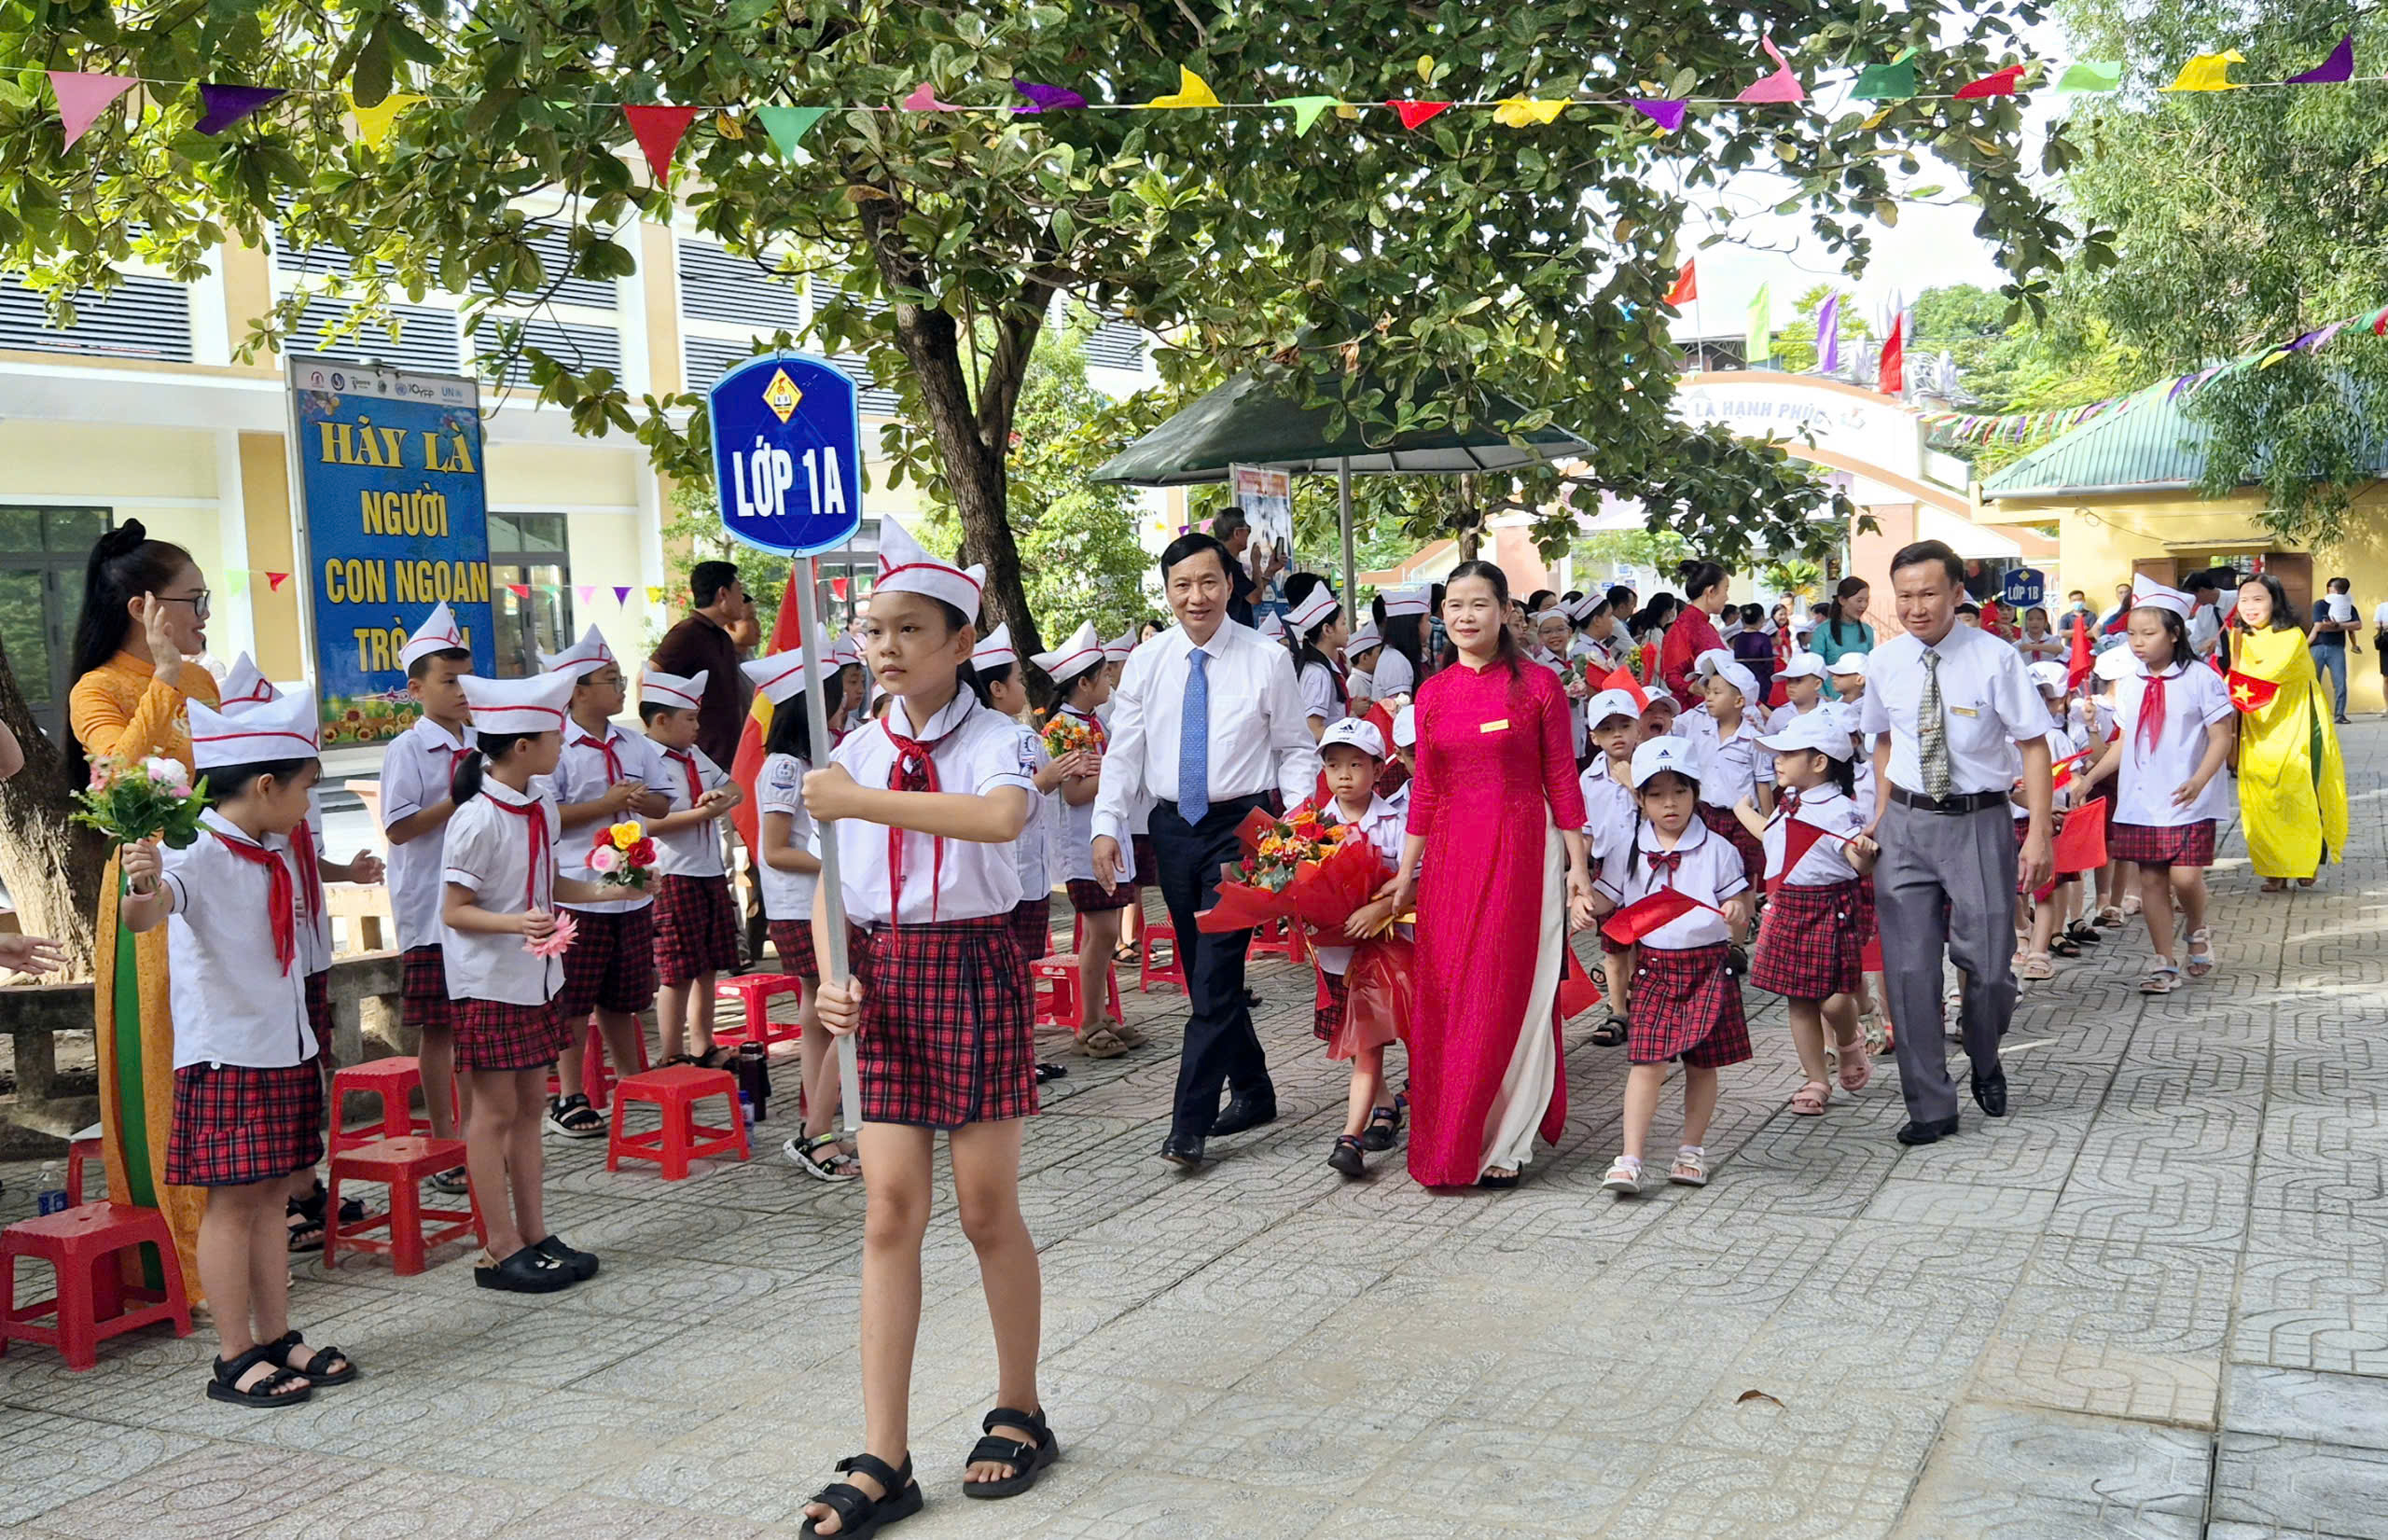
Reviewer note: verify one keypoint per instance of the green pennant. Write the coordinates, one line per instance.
(1891, 82)
(787, 125)
(1306, 110)
(2092, 75)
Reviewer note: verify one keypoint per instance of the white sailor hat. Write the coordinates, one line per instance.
(1405, 727)
(1271, 627)
(439, 632)
(586, 656)
(1363, 639)
(904, 567)
(2147, 593)
(243, 686)
(780, 677)
(534, 704)
(281, 728)
(1316, 605)
(1118, 647)
(1406, 602)
(1081, 652)
(995, 649)
(658, 689)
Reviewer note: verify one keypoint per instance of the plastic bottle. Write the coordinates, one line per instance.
(746, 1108)
(49, 1191)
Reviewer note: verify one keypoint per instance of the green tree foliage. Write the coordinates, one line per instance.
(2066, 358)
(1530, 261)
(1795, 344)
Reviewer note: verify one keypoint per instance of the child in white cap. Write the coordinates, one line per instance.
(1611, 815)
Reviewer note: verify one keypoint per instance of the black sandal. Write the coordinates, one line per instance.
(1027, 1460)
(718, 1057)
(859, 1514)
(2065, 945)
(224, 1384)
(1612, 1033)
(1499, 1184)
(306, 1229)
(314, 1370)
(1384, 1126)
(525, 1270)
(1345, 1157)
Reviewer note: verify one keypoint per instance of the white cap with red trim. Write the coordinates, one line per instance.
(439, 632)
(1406, 602)
(780, 677)
(1316, 605)
(586, 656)
(2148, 594)
(1118, 647)
(282, 728)
(243, 686)
(995, 649)
(658, 689)
(1081, 652)
(535, 705)
(904, 567)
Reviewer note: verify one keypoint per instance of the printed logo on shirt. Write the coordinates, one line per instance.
(1026, 748)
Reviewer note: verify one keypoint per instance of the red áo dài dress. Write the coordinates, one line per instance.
(1495, 783)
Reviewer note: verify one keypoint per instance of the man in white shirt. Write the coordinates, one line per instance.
(1206, 721)
(2205, 612)
(1955, 707)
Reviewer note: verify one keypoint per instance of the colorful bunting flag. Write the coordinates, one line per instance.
(81, 99)
(2208, 72)
(273, 580)
(221, 106)
(1192, 91)
(1668, 115)
(1759, 347)
(621, 593)
(924, 99)
(236, 583)
(2339, 66)
(373, 123)
(837, 584)
(1829, 335)
(1046, 98)
(787, 126)
(1891, 379)
(587, 592)
(2001, 83)
(1891, 82)
(520, 590)
(659, 130)
(1414, 113)
(1782, 86)
(2088, 76)
(1519, 112)
(1306, 110)
(1687, 285)
(654, 594)
(1878, 119)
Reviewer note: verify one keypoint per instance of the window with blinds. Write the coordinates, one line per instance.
(144, 318)
(715, 286)
(1117, 345)
(424, 339)
(554, 248)
(578, 347)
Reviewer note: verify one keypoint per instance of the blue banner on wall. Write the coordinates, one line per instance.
(396, 520)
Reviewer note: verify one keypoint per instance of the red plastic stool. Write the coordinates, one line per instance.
(78, 1152)
(675, 1090)
(1057, 1004)
(395, 1080)
(753, 992)
(82, 1246)
(1279, 938)
(1148, 973)
(596, 1069)
(399, 1164)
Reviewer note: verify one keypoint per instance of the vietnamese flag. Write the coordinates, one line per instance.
(1687, 285)
(2077, 667)
(2081, 844)
(2249, 694)
(787, 633)
(1655, 912)
(1622, 679)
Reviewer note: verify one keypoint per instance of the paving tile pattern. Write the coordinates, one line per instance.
(2153, 1302)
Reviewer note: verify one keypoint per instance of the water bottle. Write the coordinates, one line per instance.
(746, 1109)
(49, 1193)
(755, 1078)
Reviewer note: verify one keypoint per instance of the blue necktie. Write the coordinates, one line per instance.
(1194, 741)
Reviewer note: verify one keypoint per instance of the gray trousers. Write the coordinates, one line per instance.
(1966, 862)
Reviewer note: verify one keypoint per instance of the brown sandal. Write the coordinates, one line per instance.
(1101, 1041)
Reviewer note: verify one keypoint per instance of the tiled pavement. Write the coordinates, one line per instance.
(2149, 1304)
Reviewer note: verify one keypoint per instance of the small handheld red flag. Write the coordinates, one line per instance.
(1577, 993)
(1687, 285)
(1622, 679)
(2081, 844)
(1800, 837)
(2077, 667)
(1892, 377)
(2248, 693)
(1655, 912)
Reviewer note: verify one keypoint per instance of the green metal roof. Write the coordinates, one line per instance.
(2148, 445)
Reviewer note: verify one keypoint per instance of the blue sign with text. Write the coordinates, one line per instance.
(788, 454)
(2023, 587)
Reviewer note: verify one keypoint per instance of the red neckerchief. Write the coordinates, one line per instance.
(310, 870)
(688, 763)
(605, 747)
(279, 897)
(2150, 731)
(536, 814)
(914, 769)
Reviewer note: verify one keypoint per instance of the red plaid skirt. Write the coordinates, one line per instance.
(946, 1037)
(1686, 1006)
(319, 1012)
(1752, 849)
(234, 1125)
(1088, 897)
(2162, 845)
(1334, 995)
(696, 929)
(610, 966)
(792, 940)
(423, 989)
(497, 1035)
(1147, 864)
(1811, 944)
(1032, 925)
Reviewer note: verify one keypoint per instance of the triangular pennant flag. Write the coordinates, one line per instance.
(373, 123)
(2379, 323)
(1306, 110)
(1687, 287)
(2329, 72)
(1046, 98)
(1891, 82)
(837, 588)
(1577, 993)
(2082, 660)
(274, 581)
(1414, 113)
(1622, 679)
(2090, 75)
(1782, 86)
(2208, 72)
(587, 592)
(2248, 693)
(1891, 374)
(788, 125)
(2081, 844)
(520, 590)
(1655, 912)
(1519, 112)
(924, 99)
(1878, 119)
(2002, 83)
(81, 99)
(236, 582)
(1667, 114)
(1800, 837)
(621, 593)
(659, 131)
(1192, 91)
(221, 106)
(654, 594)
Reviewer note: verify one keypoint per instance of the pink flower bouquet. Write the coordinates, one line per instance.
(556, 942)
(131, 799)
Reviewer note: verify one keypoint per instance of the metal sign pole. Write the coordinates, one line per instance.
(833, 897)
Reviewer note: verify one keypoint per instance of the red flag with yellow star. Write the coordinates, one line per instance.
(2249, 693)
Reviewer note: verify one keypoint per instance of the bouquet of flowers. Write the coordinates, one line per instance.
(131, 799)
(1579, 676)
(1066, 735)
(623, 856)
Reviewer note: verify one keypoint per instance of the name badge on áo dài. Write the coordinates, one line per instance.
(1501, 725)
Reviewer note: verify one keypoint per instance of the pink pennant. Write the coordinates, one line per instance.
(659, 131)
(81, 99)
(274, 581)
(1667, 114)
(924, 99)
(1414, 113)
(1782, 86)
(2003, 83)
(587, 592)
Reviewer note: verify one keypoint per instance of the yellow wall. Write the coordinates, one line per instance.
(604, 551)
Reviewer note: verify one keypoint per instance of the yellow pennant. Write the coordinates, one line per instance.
(1192, 91)
(654, 595)
(1518, 112)
(2209, 72)
(373, 123)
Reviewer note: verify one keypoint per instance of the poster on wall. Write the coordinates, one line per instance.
(1266, 497)
(395, 521)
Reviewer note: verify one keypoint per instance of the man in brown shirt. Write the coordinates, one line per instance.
(707, 641)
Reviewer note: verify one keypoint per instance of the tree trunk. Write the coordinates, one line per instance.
(51, 865)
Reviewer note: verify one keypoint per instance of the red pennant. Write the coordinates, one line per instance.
(520, 590)
(659, 131)
(2077, 668)
(1799, 838)
(1655, 912)
(274, 581)
(2081, 844)
(1687, 285)
(2249, 693)
(2000, 84)
(1622, 679)
(1577, 993)
(1415, 113)
(1893, 379)
(837, 588)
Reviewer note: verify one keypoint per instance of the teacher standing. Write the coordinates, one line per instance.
(1954, 705)
(1206, 720)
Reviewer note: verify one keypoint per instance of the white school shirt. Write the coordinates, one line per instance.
(487, 852)
(1788, 714)
(2062, 745)
(2379, 617)
(1032, 854)
(1318, 693)
(1393, 675)
(1359, 684)
(315, 923)
(1383, 827)
(695, 851)
(1988, 705)
(2194, 699)
(1711, 872)
(779, 787)
(581, 777)
(1076, 859)
(415, 774)
(2205, 629)
(1260, 730)
(1863, 767)
(1731, 768)
(976, 751)
(231, 1003)
(1610, 811)
(1826, 861)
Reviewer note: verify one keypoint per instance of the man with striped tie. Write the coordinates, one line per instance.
(1206, 720)
(1958, 713)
